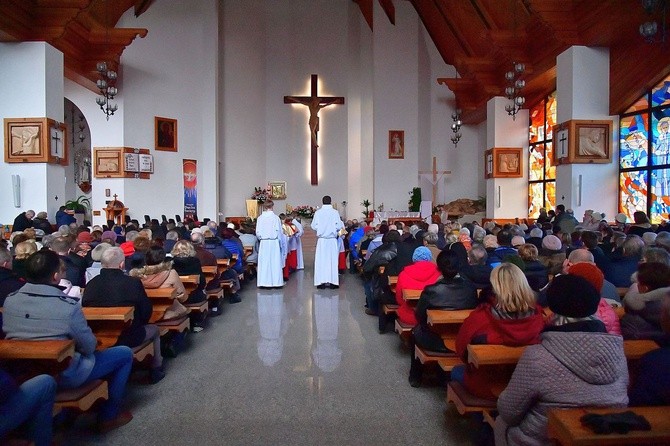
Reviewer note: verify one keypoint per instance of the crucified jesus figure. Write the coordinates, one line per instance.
(314, 105)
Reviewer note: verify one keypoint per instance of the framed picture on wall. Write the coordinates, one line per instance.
(583, 142)
(35, 140)
(503, 162)
(108, 162)
(277, 190)
(396, 144)
(165, 134)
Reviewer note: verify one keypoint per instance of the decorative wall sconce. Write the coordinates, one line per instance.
(513, 90)
(456, 127)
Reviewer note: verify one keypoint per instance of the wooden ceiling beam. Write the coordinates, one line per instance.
(367, 8)
(389, 9)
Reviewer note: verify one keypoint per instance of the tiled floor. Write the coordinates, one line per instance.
(295, 366)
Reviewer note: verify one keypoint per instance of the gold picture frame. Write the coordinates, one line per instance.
(277, 190)
(583, 142)
(108, 162)
(35, 140)
(165, 134)
(503, 162)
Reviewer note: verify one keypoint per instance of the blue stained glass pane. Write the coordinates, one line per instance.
(633, 144)
(660, 195)
(632, 193)
(660, 95)
(660, 130)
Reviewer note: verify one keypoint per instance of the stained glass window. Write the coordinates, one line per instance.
(644, 182)
(541, 170)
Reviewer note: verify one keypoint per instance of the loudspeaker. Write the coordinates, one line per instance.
(16, 188)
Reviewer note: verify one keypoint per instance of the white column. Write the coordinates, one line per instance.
(506, 197)
(582, 92)
(31, 86)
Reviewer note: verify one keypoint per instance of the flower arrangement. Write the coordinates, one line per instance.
(260, 194)
(304, 211)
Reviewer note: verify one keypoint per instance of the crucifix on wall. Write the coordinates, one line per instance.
(315, 103)
(436, 176)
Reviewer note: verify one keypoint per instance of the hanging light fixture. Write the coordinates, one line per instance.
(106, 84)
(456, 127)
(649, 29)
(514, 87)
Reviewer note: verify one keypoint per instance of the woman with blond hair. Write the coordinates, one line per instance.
(513, 318)
(185, 262)
(22, 251)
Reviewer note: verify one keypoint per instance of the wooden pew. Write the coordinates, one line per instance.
(411, 296)
(107, 323)
(222, 265)
(214, 295)
(467, 403)
(191, 284)
(447, 323)
(162, 300)
(564, 427)
(52, 357)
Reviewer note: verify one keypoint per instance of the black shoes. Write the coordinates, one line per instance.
(156, 374)
(332, 286)
(321, 286)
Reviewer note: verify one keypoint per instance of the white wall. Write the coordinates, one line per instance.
(31, 86)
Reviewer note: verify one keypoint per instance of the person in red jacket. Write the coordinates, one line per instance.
(513, 319)
(416, 276)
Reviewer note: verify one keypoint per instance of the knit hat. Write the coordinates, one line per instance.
(128, 248)
(590, 272)
(433, 228)
(572, 296)
(96, 253)
(517, 241)
(536, 232)
(117, 230)
(552, 243)
(110, 235)
(422, 253)
(84, 237)
(621, 217)
(596, 216)
(490, 241)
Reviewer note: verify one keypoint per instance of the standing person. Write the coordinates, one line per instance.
(268, 230)
(327, 224)
(298, 239)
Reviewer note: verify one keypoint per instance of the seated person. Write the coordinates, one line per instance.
(451, 292)
(96, 255)
(621, 267)
(75, 266)
(643, 310)
(185, 262)
(513, 318)
(552, 253)
(112, 288)
(416, 276)
(231, 245)
(504, 249)
(9, 281)
(536, 273)
(40, 310)
(576, 364)
(651, 387)
(477, 271)
(32, 402)
(595, 277)
(158, 273)
(22, 251)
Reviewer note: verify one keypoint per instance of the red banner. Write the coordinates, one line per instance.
(190, 189)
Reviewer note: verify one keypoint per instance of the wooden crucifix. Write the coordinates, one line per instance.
(315, 103)
(435, 178)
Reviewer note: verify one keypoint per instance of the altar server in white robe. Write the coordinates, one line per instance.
(327, 224)
(298, 240)
(268, 231)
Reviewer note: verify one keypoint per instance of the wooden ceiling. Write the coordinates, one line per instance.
(82, 29)
(481, 38)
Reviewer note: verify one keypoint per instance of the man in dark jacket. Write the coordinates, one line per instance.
(41, 222)
(381, 256)
(23, 221)
(9, 281)
(112, 288)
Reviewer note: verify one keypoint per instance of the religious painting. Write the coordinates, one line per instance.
(166, 134)
(35, 140)
(396, 144)
(583, 142)
(660, 137)
(277, 190)
(506, 162)
(108, 162)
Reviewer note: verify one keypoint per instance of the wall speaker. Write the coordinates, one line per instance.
(16, 189)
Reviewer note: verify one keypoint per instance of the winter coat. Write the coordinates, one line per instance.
(568, 369)
(652, 385)
(536, 274)
(607, 315)
(186, 266)
(414, 277)
(160, 276)
(483, 326)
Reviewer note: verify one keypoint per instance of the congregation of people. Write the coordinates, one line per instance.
(557, 285)
(48, 274)
(554, 285)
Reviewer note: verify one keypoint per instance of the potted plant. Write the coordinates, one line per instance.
(415, 200)
(79, 205)
(366, 204)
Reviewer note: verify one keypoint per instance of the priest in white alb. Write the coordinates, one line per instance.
(327, 224)
(268, 231)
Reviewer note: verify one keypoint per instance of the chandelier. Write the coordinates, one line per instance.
(106, 84)
(513, 90)
(649, 29)
(456, 127)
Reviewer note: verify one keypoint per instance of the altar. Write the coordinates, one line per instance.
(391, 216)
